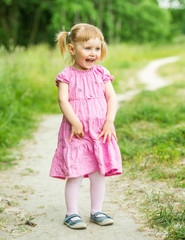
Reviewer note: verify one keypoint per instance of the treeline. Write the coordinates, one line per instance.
(27, 22)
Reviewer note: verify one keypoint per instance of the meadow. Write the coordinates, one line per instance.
(150, 128)
(151, 133)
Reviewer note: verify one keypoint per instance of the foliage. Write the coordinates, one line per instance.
(26, 22)
(165, 212)
(151, 130)
(26, 89)
(151, 136)
(178, 20)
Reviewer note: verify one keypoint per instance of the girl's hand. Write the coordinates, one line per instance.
(108, 130)
(77, 130)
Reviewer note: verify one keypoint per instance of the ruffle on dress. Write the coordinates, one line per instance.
(86, 155)
(65, 75)
(105, 74)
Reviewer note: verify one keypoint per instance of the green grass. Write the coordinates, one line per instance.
(151, 128)
(165, 212)
(125, 60)
(27, 90)
(151, 133)
(148, 127)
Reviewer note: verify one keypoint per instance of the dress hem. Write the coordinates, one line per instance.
(107, 174)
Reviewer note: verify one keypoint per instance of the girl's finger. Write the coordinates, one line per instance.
(81, 134)
(115, 136)
(78, 136)
(101, 134)
(109, 137)
(71, 136)
(105, 136)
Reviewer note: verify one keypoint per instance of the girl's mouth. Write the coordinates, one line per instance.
(90, 60)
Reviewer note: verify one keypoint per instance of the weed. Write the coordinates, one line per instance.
(1, 210)
(165, 212)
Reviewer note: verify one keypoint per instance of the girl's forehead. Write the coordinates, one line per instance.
(92, 41)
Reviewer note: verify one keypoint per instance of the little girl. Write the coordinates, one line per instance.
(87, 143)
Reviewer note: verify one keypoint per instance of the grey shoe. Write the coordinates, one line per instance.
(74, 224)
(103, 221)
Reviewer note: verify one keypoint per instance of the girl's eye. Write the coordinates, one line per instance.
(97, 49)
(87, 48)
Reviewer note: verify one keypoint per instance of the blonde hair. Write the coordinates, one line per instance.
(80, 33)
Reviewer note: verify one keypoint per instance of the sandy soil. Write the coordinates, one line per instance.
(33, 206)
(151, 78)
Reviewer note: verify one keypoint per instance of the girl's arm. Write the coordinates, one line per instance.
(65, 106)
(108, 128)
(111, 101)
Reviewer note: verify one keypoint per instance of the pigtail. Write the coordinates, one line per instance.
(103, 50)
(61, 38)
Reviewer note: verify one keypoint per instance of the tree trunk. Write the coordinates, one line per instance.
(35, 25)
(118, 30)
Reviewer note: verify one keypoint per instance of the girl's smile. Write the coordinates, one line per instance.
(86, 54)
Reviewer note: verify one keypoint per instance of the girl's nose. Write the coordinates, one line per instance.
(92, 52)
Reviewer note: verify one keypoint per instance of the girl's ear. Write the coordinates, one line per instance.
(71, 49)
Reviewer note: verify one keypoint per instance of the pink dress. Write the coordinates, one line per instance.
(86, 155)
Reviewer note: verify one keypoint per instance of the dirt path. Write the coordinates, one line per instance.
(149, 76)
(29, 194)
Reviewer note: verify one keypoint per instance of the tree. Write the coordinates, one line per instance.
(25, 22)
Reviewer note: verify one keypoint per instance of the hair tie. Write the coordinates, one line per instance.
(68, 34)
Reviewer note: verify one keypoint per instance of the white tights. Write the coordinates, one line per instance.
(97, 191)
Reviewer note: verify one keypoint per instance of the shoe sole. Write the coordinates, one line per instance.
(106, 222)
(76, 226)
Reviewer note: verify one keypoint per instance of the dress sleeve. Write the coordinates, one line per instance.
(105, 74)
(62, 78)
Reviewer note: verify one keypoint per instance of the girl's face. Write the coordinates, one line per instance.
(86, 53)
